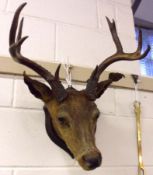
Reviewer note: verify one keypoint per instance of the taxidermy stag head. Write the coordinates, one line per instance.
(71, 115)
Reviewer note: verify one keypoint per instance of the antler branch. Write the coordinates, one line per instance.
(120, 55)
(15, 43)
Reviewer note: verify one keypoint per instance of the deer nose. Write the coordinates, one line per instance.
(92, 160)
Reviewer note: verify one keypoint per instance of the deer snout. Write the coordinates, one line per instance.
(91, 160)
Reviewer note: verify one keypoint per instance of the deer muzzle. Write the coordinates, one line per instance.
(90, 160)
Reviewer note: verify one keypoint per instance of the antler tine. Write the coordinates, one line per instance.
(15, 24)
(20, 33)
(112, 27)
(15, 43)
(118, 56)
(57, 72)
(139, 41)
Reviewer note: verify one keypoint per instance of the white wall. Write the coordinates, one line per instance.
(76, 29)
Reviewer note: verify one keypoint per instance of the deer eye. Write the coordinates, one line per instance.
(63, 121)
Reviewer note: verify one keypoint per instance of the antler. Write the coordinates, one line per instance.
(92, 84)
(15, 43)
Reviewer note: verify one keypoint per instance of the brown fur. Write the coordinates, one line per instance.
(81, 116)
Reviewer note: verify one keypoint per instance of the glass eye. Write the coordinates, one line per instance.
(63, 121)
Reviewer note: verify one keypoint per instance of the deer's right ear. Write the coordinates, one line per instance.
(38, 89)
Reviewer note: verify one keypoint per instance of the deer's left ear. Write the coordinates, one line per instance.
(38, 89)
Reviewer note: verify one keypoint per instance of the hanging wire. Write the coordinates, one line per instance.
(68, 69)
(137, 110)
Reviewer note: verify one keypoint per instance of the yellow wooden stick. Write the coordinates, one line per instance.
(137, 109)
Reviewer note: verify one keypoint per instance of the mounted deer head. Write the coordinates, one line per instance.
(71, 115)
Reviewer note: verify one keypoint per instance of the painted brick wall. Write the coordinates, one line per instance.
(76, 29)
